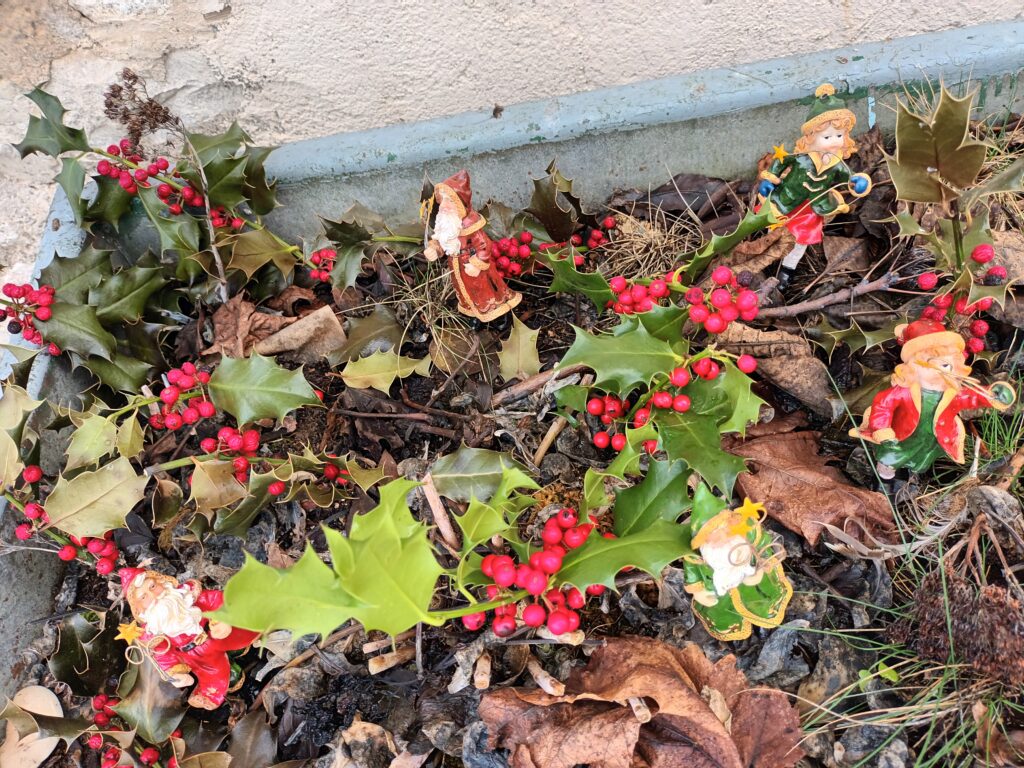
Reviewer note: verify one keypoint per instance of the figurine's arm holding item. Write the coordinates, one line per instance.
(211, 600)
(773, 176)
(1000, 396)
(879, 416)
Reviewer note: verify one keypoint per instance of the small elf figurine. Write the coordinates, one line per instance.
(806, 187)
(735, 574)
(459, 234)
(916, 420)
(169, 627)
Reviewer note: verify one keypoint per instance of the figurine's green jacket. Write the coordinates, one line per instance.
(804, 177)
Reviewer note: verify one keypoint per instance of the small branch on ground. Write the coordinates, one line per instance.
(880, 284)
(437, 509)
(532, 384)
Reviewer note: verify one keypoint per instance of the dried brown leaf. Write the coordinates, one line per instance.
(237, 326)
(801, 490)
(291, 299)
(993, 743)
(308, 340)
(757, 255)
(846, 254)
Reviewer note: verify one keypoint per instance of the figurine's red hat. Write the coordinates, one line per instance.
(459, 184)
(923, 333)
(128, 576)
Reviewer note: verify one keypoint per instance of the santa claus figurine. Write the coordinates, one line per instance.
(170, 627)
(915, 421)
(459, 235)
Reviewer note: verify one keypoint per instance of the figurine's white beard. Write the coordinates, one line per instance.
(172, 614)
(447, 226)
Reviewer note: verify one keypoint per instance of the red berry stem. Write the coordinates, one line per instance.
(187, 461)
(466, 610)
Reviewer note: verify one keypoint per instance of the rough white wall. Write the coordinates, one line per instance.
(289, 69)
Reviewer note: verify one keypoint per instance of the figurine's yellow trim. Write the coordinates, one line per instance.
(771, 177)
(721, 520)
(820, 166)
(739, 631)
(476, 226)
(825, 89)
(779, 152)
(445, 191)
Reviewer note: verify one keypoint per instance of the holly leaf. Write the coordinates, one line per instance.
(76, 327)
(626, 463)
(518, 357)
(129, 438)
(111, 202)
(261, 195)
(257, 388)
(93, 503)
(252, 250)
(567, 279)
(557, 217)
(10, 460)
(72, 180)
(225, 178)
(728, 397)
(218, 146)
(661, 495)
(665, 322)
(383, 575)
(1009, 180)
(93, 439)
(214, 486)
(73, 278)
(623, 360)
(375, 332)
(14, 404)
(380, 370)
(178, 234)
(473, 473)
(122, 373)
(935, 158)
(696, 439)
(153, 707)
(87, 655)
(484, 519)
(600, 559)
(48, 134)
(124, 297)
(718, 244)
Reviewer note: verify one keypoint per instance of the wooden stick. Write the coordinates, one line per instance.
(437, 509)
(640, 709)
(545, 681)
(482, 672)
(556, 428)
(386, 661)
(530, 385)
(372, 646)
(846, 294)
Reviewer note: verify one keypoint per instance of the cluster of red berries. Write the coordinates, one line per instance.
(243, 445)
(176, 200)
(323, 262)
(26, 305)
(131, 178)
(726, 302)
(636, 298)
(182, 399)
(221, 217)
(555, 607)
(103, 706)
(594, 237)
(511, 254)
(331, 474)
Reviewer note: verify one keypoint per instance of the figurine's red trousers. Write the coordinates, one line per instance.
(207, 662)
(805, 225)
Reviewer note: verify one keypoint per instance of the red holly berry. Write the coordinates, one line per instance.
(534, 615)
(23, 532)
(650, 446)
(699, 313)
(95, 546)
(982, 305)
(715, 323)
(33, 511)
(504, 574)
(658, 289)
(945, 301)
(574, 537)
(746, 300)
(102, 719)
(680, 403)
(960, 307)
(173, 421)
(618, 284)
(95, 741)
(503, 626)
(979, 328)
(558, 622)
(575, 599)
(190, 415)
(32, 473)
(975, 344)
(997, 272)
(235, 442)
(250, 440)
(240, 464)
(109, 550)
(618, 442)
(474, 621)
(105, 565)
(662, 399)
(746, 363)
(44, 314)
(148, 756)
(926, 281)
(53, 349)
(208, 445)
(983, 253)
(548, 562)
(566, 518)
(535, 582)
(721, 276)
(595, 406)
(169, 394)
(679, 377)
(68, 552)
(602, 439)
(595, 589)
(608, 222)
(525, 237)
(276, 488)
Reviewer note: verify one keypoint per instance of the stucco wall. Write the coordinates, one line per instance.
(289, 69)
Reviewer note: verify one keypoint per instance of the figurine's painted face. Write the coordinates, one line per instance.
(829, 140)
(147, 593)
(939, 367)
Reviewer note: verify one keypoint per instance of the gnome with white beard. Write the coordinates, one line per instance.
(169, 624)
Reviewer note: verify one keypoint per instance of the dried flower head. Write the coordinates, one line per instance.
(128, 103)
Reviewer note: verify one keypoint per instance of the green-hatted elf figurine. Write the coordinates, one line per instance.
(806, 187)
(735, 575)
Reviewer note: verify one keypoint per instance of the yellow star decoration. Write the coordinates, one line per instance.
(749, 514)
(128, 632)
(779, 152)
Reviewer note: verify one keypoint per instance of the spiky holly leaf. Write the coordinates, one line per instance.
(718, 244)
(111, 202)
(124, 297)
(696, 439)
(661, 495)
(178, 234)
(48, 134)
(129, 437)
(382, 575)
(626, 463)
(1010, 180)
(375, 332)
(153, 707)
(380, 370)
(74, 278)
(624, 359)
(93, 439)
(93, 503)
(935, 159)
(87, 655)
(72, 180)
(76, 327)
(484, 519)
(600, 559)
(472, 473)
(728, 398)
(256, 387)
(666, 322)
(558, 218)
(214, 486)
(261, 194)
(518, 357)
(828, 337)
(122, 373)
(255, 248)
(225, 180)
(218, 146)
(567, 279)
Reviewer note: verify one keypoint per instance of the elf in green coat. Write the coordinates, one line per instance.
(806, 187)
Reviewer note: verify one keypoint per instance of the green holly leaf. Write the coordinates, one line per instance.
(705, 506)
(728, 397)
(567, 279)
(93, 439)
(235, 521)
(554, 205)
(380, 370)
(14, 404)
(627, 358)
(218, 146)
(719, 244)
(87, 654)
(73, 278)
(935, 157)
(377, 331)
(178, 234)
(11, 464)
(1010, 180)
(474, 473)
(214, 486)
(517, 358)
(600, 559)
(661, 495)
(123, 297)
(153, 707)
(257, 388)
(626, 463)
(72, 180)
(111, 202)
(255, 248)
(76, 327)
(122, 373)
(484, 519)
(225, 179)
(262, 196)
(93, 503)
(48, 134)
(696, 439)
(129, 437)
(383, 575)
(666, 323)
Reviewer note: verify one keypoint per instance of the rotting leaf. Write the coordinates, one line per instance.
(518, 357)
(153, 707)
(471, 473)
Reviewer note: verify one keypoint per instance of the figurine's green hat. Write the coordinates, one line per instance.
(826, 107)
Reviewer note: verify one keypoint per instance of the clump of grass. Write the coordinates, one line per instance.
(649, 248)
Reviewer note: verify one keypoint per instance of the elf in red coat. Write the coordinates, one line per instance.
(916, 420)
(171, 628)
